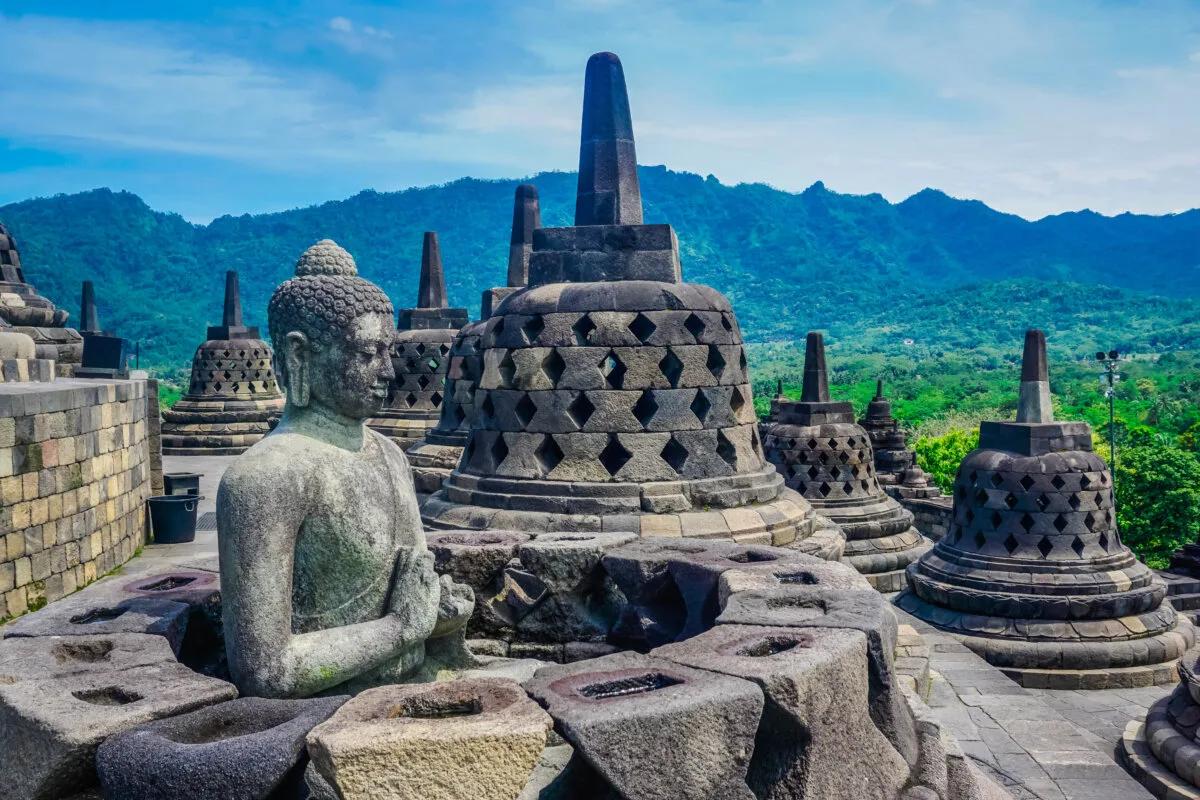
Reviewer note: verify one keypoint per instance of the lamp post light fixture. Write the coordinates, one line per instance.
(1108, 382)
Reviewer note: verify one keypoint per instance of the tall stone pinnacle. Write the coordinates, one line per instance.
(89, 320)
(431, 292)
(527, 215)
(879, 388)
(232, 316)
(1034, 404)
(816, 383)
(608, 183)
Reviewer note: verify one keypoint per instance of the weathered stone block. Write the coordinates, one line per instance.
(461, 740)
(699, 726)
(50, 728)
(41, 657)
(816, 714)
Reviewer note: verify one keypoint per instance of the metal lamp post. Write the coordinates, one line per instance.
(1108, 381)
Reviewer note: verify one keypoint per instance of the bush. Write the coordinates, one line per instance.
(940, 455)
(1158, 500)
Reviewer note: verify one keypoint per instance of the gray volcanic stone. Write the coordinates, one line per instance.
(88, 615)
(816, 716)
(653, 728)
(478, 559)
(866, 611)
(50, 729)
(576, 599)
(42, 657)
(814, 573)
(245, 749)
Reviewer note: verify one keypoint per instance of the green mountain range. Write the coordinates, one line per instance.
(927, 276)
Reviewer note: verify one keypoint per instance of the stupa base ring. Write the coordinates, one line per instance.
(884, 561)
(785, 521)
(1055, 654)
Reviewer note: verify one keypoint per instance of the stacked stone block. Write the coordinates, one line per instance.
(421, 355)
(824, 455)
(1032, 573)
(233, 398)
(74, 477)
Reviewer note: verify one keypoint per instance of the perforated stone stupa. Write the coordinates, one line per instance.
(438, 453)
(33, 315)
(614, 396)
(233, 397)
(823, 454)
(1032, 574)
(421, 355)
(892, 455)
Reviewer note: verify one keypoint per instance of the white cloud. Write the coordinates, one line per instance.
(341, 25)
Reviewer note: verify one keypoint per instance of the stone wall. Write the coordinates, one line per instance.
(931, 515)
(74, 477)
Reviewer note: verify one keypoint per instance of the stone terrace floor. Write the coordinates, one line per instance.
(1055, 744)
(1041, 744)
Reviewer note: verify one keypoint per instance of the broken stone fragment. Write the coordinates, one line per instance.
(816, 713)
(50, 728)
(245, 749)
(461, 740)
(654, 729)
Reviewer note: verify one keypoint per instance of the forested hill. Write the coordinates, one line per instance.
(947, 273)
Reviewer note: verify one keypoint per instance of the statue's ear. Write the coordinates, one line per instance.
(297, 355)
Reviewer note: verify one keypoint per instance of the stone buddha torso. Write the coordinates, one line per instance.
(348, 544)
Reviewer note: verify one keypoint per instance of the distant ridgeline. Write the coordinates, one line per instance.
(950, 275)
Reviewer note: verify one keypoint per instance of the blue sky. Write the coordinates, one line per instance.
(208, 108)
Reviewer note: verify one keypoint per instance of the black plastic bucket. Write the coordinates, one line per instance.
(182, 482)
(173, 517)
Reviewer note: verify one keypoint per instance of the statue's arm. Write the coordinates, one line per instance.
(258, 528)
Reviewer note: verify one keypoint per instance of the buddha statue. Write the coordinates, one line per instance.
(326, 579)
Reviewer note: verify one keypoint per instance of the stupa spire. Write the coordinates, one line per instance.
(1034, 404)
(232, 315)
(879, 388)
(432, 290)
(608, 183)
(816, 383)
(527, 216)
(89, 319)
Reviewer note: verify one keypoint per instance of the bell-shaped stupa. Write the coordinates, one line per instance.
(233, 398)
(438, 453)
(33, 315)
(825, 455)
(892, 455)
(421, 355)
(1032, 574)
(615, 396)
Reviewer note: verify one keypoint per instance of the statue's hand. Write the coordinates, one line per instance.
(415, 593)
(454, 608)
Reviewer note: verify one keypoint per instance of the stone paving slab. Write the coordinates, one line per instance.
(1038, 743)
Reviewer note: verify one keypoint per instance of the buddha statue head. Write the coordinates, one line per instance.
(332, 332)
